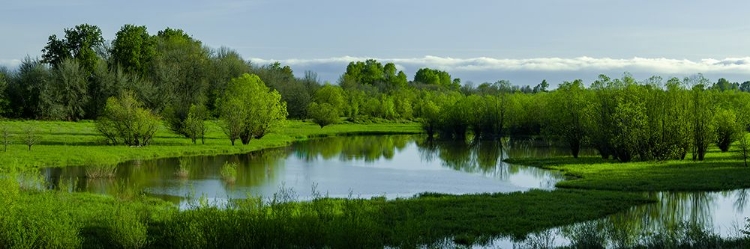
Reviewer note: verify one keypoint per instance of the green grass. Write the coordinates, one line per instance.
(58, 219)
(719, 171)
(78, 143)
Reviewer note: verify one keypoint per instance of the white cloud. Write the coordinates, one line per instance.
(533, 70)
(656, 65)
(10, 63)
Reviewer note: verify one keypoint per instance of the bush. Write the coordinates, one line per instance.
(125, 121)
(323, 114)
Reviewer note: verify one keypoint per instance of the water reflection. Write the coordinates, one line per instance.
(677, 217)
(361, 166)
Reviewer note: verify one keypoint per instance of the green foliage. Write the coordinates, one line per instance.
(323, 114)
(30, 136)
(195, 126)
(79, 43)
(297, 93)
(373, 73)
(181, 65)
(133, 49)
(332, 95)
(68, 92)
(567, 114)
(124, 121)
(249, 110)
(701, 113)
(436, 77)
(727, 129)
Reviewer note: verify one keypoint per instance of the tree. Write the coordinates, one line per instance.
(180, 70)
(701, 116)
(68, 92)
(195, 125)
(30, 135)
(125, 121)
(567, 115)
(744, 147)
(727, 129)
(133, 49)
(80, 43)
(332, 95)
(249, 110)
(323, 114)
(25, 92)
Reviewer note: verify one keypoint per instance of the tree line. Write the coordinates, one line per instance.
(140, 81)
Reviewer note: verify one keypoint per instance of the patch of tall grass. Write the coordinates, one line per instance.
(229, 172)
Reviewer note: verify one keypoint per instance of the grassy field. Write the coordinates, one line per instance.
(78, 143)
(719, 171)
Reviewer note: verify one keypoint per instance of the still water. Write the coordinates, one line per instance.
(357, 166)
(400, 166)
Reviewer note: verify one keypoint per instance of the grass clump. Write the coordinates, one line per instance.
(182, 170)
(229, 172)
(103, 171)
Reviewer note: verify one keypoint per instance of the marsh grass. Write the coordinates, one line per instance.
(182, 170)
(229, 172)
(103, 171)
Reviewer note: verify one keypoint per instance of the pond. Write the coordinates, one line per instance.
(356, 166)
(723, 213)
(398, 166)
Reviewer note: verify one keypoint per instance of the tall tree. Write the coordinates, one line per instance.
(67, 92)
(180, 72)
(701, 116)
(567, 114)
(79, 43)
(133, 49)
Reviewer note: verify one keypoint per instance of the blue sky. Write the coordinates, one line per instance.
(522, 41)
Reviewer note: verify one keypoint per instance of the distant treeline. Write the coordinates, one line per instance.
(171, 72)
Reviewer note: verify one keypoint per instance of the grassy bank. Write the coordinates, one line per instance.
(719, 171)
(63, 220)
(78, 143)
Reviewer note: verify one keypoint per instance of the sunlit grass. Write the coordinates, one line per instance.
(719, 171)
(78, 143)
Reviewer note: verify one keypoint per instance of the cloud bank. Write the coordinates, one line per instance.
(10, 63)
(533, 70)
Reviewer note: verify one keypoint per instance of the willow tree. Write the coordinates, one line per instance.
(567, 112)
(248, 109)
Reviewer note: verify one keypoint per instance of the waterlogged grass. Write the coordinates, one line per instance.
(78, 143)
(719, 171)
(65, 220)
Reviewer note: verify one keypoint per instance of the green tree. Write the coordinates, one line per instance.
(727, 129)
(80, 43)
(68, 92)
(180, 72)
(125, 121)
(436, 77)
(701, 110)
(30, 135)
(25, 92)
(195, 126)
(333, 95)
(567, 114)
(248, 109)
(133, 49)
(323, 114)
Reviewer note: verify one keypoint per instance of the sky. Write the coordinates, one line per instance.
(476, 40)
